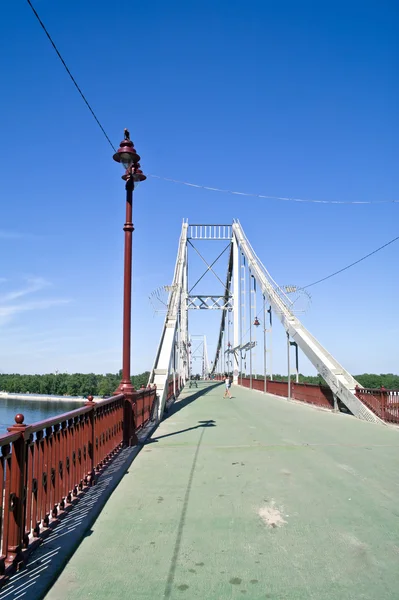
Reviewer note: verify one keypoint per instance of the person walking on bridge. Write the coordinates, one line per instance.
(227, 383)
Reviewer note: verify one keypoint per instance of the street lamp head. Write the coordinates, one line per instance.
(138, 174)
(126, 154)
(134, 174)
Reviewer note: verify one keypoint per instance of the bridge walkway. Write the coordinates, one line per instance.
(252, 497)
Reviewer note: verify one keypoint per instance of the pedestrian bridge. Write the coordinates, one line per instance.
(256, 497)
(286, 491)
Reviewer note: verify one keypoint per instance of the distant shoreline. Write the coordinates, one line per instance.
(39, 398)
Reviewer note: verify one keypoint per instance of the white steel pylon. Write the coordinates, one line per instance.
(205, 361)
(340, 381)
(172, 358)
(174, 353)
(244, 270)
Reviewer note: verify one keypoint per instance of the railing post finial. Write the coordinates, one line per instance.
(15, 503)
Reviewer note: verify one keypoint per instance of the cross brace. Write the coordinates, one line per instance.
(209, 303)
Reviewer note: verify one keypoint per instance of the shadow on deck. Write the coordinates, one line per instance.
(48, 560)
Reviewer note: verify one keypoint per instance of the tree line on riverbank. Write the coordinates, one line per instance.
(67, 384)
(84, 384)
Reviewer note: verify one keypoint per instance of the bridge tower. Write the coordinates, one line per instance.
(238, 338)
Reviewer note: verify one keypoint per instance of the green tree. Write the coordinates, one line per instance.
(73, 385)
(141, 379)
(105, 387)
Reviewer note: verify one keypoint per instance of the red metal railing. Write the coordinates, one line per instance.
(384, 403)
(278, 388)
(143, 405)
(320, 395)
(44, 466)
(177, 387)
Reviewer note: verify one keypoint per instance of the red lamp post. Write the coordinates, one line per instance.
(128, 157)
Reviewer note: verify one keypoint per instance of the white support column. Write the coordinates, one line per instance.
(255, 315)
(174, 367)
(178, 351)
(224, 348)
(206, 361)
(189, 357)
(184, 321)
(264, 347)
(236, 307)
(230, 357)
(288, 365)
(270, 344)
(296, 361)
(243, 313)
(250, 279)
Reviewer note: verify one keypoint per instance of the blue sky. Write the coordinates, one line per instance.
(287, 99)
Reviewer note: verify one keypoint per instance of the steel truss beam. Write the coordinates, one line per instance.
(209, 303)
(209, 232)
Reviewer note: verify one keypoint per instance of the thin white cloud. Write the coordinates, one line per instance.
(7, 311)
(10, 305)
(38, 305)
(34, 284)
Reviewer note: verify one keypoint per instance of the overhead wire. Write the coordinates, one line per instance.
(187, 183)
(263, 196)
(352, 264)
(70, 74)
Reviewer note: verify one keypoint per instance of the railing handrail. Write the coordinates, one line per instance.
(146, 389)
(57, 420)
(377, 390)
(8, 438)
(316, 385)
(105, 401)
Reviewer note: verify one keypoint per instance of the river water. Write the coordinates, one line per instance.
(33, 410)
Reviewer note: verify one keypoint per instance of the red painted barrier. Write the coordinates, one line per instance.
(258, 384)
(142, 406)
(44, 466)
(384, 403)
(318, 395)
(278, 388)
(170, 388)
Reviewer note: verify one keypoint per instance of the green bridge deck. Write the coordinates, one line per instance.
(252, 497)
